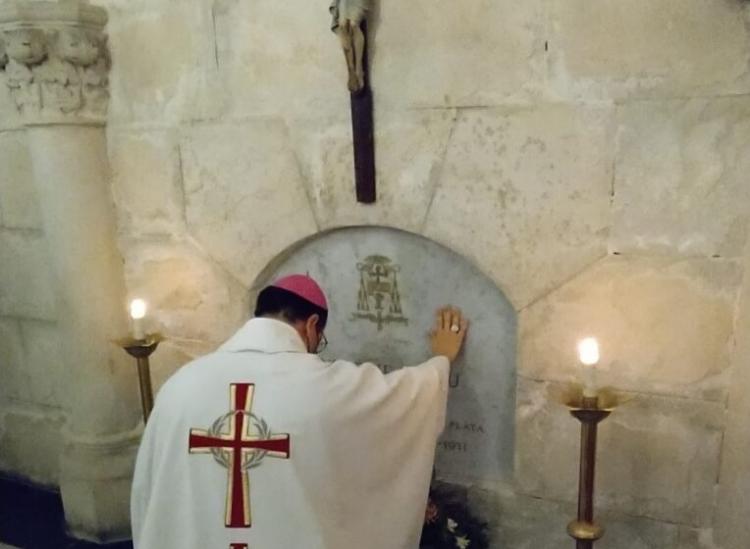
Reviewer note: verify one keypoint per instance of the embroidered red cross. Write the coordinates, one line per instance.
(237, 446)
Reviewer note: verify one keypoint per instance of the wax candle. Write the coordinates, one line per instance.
(588, 354)
(137, 312)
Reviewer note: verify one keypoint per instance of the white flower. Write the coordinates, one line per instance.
(452, 525)
(462, 542)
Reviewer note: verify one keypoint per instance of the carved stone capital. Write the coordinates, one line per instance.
(54, 60)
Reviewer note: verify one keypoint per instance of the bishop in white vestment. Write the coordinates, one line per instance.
(263, 445)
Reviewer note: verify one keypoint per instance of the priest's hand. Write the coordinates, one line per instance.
(449, 333)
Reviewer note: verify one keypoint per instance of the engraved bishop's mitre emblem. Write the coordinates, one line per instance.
(378, 298)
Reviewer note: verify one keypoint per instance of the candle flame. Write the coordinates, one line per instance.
(588, 351)
(137, 309)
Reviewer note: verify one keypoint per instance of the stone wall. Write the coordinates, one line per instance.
(590, 158)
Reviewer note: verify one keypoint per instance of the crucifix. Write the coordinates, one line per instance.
(350, 24)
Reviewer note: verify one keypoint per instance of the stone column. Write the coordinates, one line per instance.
(54, 61)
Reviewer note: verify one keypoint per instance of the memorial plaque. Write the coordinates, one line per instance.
(384, 287)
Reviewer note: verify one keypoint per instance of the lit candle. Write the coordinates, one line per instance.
(588, 354)
(137, 312)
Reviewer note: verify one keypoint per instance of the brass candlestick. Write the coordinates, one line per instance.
(590, 411)
(141, 350)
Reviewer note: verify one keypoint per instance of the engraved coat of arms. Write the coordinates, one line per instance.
(378, 298)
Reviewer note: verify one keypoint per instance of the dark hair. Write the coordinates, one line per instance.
(274, 301)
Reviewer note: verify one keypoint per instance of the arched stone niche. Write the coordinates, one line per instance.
(384, 286)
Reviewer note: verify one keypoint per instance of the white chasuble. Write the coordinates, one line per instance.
(262, 445)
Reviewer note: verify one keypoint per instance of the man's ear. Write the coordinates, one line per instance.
(312, 322)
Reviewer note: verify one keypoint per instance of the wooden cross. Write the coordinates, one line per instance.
(349, 22)
(237, 445)
(363, 133)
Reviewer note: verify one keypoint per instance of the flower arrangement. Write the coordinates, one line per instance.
(448, 522)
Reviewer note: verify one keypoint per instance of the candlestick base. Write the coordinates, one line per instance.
(585, 531)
